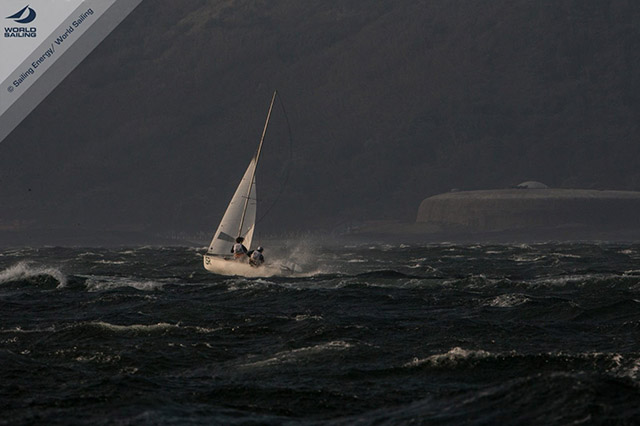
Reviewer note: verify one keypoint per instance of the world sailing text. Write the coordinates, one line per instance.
(20, 32)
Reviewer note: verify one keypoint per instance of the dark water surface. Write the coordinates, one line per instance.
(441, 334)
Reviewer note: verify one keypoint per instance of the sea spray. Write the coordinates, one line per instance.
(27, 270)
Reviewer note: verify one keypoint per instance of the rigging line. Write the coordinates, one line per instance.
(255, 166)
(288, 171)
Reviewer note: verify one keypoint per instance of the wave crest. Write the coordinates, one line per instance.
(296, 355)
(450, 358)
(29, 271)
(110, 283)
(508, 300)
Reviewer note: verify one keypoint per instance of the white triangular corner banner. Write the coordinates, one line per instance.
(42, 41)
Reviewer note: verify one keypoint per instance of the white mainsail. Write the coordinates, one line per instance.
(229, 228)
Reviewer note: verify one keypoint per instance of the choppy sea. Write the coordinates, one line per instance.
(371, 334)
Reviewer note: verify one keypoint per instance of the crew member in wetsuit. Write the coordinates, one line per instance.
(239, 250)
(256, 258)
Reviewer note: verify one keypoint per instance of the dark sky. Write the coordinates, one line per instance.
(389, 102)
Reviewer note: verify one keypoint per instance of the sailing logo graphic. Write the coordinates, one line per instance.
(20, 18)
(23, 16)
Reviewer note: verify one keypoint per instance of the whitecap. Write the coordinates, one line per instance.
(571, 279)
(109, 283)
(528, 259)
(98, 358)
(237, 284)
(452, 357)
(135, 327)
(296, 355)
(567, 255)
(632, 371)
(160, 326)
(90, 253)
(308, 317)
(25, 270)
(203, 330)
(508, 300)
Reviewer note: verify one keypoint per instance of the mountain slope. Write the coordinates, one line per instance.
(388, 103)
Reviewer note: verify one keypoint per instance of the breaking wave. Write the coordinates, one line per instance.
(32, 273)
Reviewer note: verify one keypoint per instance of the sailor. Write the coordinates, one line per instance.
(239, 250)
(256, 258)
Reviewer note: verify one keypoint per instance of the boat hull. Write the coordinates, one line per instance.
(231, 267)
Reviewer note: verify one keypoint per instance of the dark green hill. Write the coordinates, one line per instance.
(389, 102)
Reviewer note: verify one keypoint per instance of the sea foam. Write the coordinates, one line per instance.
(452, 357)
(27, 270)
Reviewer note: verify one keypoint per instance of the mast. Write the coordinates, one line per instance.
(255, 168)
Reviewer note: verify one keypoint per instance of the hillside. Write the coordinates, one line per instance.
(389, 102)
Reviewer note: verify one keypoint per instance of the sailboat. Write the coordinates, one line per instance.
(239, 220)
